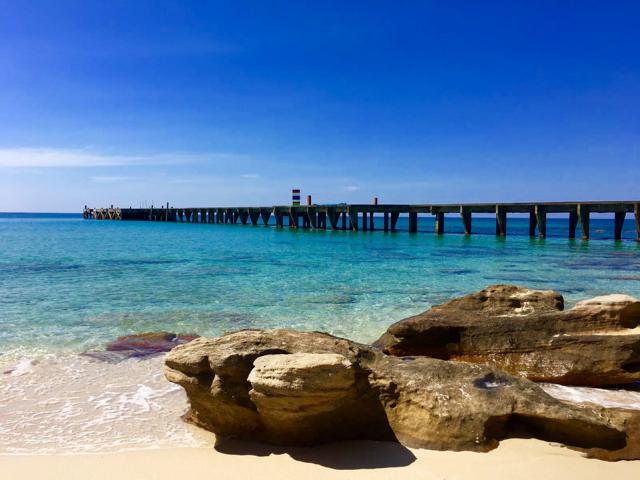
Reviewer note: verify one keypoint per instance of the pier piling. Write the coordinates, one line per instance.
(413, 222)
(583, 216)
(619, 223)
(439, 223)
(636, 211)
(573, 223)
(394, 220)
(541, 220)
(533, 223)
(465, 214)
(501, 221)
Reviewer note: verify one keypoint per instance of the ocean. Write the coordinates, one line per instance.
(69, 285)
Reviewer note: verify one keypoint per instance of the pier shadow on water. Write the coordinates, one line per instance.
(348, 455)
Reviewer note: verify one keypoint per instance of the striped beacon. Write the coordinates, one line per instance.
(295, 196)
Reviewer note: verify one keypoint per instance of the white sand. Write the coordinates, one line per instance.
(514, 459)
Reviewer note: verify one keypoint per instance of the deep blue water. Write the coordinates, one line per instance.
(72, 284)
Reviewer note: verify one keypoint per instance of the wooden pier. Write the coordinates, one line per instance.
(360, 216)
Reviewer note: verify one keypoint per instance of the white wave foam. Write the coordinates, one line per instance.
(23, 367)
(614, 398)
(73, 404)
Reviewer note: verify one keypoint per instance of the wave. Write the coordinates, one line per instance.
(72, 404)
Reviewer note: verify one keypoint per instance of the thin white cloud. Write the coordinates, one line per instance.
(53, 157)
(351, 188)
(250, 175)
(111, 178)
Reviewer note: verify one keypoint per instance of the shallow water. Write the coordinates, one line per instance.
(69, 285)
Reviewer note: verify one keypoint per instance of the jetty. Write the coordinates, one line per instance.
(361, 216)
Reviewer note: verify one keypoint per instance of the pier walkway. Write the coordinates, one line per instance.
(360, 216)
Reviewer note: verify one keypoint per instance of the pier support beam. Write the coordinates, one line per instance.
(266, 216)
(573, 223)
(636, 211)
(254, 217)
(413, 222)
(541, 219)
(364, 221)
(353, 219)
(501, 221)
(394, 220)
(312, 218)
(344, 221)
(293, 220)
(333, 218)
(583, 215)
(279, 219)
(244, 217)
(465, 214)
(619, 223)
(439, 223)
(371, 225)
(322, 220)
(533, 223)
(386, 221)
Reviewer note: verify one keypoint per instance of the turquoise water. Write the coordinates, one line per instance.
(72, 284)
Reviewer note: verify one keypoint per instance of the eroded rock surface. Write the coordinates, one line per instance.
(526, 332)
(298, 388)
(275, 400)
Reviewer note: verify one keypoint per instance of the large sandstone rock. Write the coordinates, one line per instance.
(527, 333)
(303, 393)
(279, 402)
(296, 388)
(458, 406)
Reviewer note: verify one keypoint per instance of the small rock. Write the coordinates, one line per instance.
(140, 345)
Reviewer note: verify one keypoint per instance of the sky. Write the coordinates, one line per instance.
(237, 102)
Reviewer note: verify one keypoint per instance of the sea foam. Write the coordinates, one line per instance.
(74, 404)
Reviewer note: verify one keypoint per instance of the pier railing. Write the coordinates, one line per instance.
(361, 216)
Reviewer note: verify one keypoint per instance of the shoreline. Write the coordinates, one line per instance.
(525, 459)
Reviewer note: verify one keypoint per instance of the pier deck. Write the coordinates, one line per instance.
(360, 216)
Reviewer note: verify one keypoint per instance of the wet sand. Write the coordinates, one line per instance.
(514, 459)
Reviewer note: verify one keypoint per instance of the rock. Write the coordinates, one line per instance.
(217, 376)
(298, 388)
(527, 333)
(444, 405)
(140, 345)
(628, 421)
(299, 396)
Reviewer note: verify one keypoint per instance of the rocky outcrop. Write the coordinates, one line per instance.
(298, 388)
(458, 406)
(274, 401)
(527, 333)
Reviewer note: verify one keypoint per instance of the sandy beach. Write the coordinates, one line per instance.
(513, 459)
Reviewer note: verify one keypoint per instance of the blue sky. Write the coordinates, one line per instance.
(235, 103)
